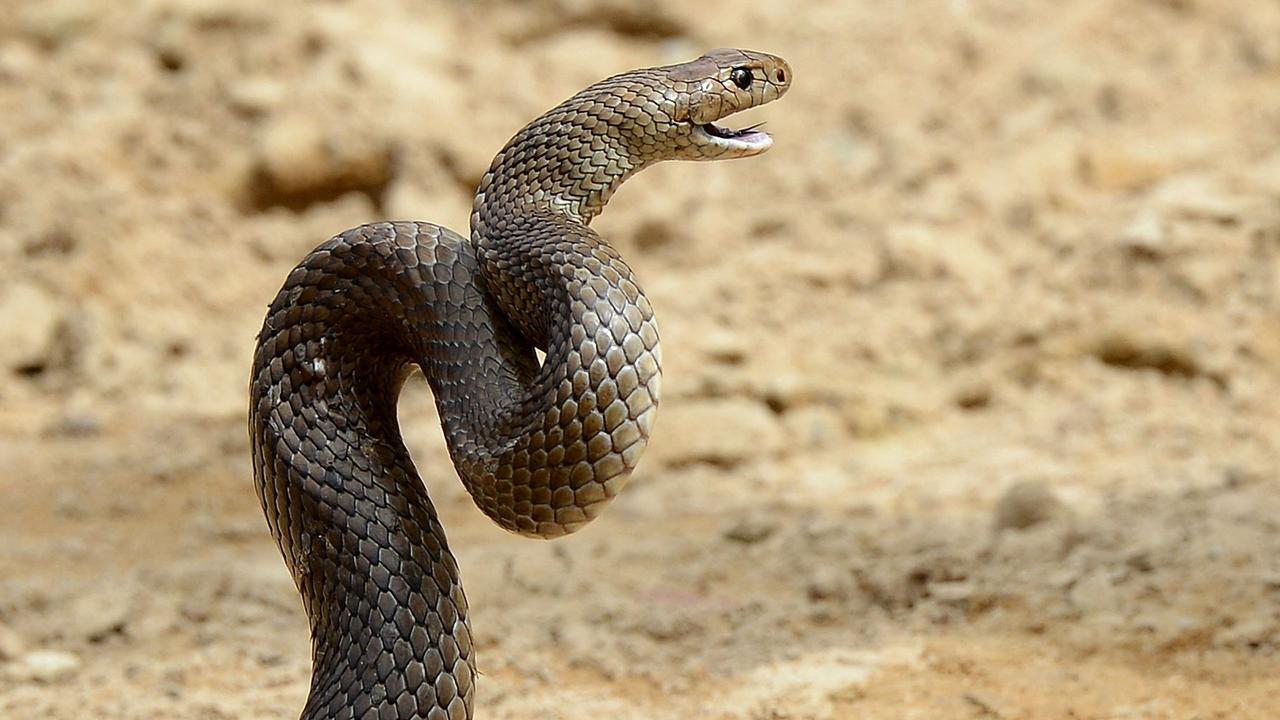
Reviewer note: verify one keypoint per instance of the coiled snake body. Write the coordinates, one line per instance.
(541, 447)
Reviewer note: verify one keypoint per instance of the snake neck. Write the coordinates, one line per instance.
(577, 191)
(573, 158)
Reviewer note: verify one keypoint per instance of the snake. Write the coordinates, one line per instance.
(541, 444)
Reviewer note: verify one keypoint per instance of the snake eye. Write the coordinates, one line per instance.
(742, 77)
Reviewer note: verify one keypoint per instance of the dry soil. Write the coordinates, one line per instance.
(970, 388)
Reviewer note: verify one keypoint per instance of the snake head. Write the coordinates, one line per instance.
(715, 86)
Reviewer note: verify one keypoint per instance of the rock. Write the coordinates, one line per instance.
(1026, 504)
(292, 153)
(33, 318)
(1146, 236)
(721, 431)
(47, 666)
(298, 162)
(96, 616)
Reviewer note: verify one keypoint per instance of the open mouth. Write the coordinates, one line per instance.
(749, 139)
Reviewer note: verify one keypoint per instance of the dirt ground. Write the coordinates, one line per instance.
(970, 382)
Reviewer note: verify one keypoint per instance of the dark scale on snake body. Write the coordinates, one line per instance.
(542, 448)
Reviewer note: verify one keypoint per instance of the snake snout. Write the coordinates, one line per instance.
(730, 82)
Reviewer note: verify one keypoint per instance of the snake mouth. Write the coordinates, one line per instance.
(747, 141)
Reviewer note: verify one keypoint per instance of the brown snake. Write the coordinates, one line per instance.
(542, 448)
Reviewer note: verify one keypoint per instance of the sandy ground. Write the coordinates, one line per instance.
(969, 402)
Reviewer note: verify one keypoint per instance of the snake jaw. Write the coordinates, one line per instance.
(735, 143)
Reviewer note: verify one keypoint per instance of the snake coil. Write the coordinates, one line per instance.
(542, 448)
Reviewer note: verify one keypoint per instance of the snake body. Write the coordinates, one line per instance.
(541, 447)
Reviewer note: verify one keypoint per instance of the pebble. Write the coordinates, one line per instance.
(18, 61)
(48, 666)
(1251, 632)
(1199, 198)
(751, 529)
(952, 593)
(1170, 351)
(255, 95)
(11, 645)
(1026, 504)
(1115, 167)
(669, 627)
(291, 151)
(723, 346)
(1094, 593)
(55, 22)
(786, 390)
(973, 393)
(78, 419)
(1146, 235)
(827, 583)
(27, 340)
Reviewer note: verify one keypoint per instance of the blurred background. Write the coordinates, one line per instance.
(970, 382)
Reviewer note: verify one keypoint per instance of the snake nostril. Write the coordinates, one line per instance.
(782, 76)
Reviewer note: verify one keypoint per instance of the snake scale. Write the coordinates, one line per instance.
(541, 447)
